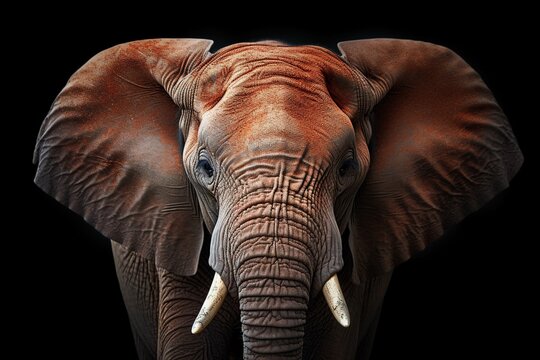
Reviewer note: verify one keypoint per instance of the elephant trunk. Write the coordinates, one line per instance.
(273, 307)
(274, 255)
(274, 270)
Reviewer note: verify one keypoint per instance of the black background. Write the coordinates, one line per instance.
(467, 296)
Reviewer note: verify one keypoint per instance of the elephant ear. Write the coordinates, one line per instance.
(441, 148)
(109, 149)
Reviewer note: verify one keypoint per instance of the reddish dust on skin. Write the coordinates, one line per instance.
(275, 99)
(441, 147)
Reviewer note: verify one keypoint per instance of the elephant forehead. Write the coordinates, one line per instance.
(246, 69)
(247, 81)
(263, 97)
(277, 119)
(246, 58)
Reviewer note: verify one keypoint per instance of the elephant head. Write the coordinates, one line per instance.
(277, 151)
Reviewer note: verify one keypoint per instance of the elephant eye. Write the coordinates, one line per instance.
(206, 168)
(347, 167)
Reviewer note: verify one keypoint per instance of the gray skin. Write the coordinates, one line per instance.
(162, 307)
(274, 145)
(277, 179)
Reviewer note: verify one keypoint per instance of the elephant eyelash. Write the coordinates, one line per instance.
(349, 165)
(205, 169)
(347, 171)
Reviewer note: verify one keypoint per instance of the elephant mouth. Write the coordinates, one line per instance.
(218, 291)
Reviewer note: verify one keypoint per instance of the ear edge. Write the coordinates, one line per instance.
(73, 109)
(385, 259)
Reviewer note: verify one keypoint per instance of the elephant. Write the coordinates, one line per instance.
(259, 197)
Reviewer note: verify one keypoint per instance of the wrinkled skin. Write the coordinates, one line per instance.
(279, 154)
(162, 307)
(253, 163)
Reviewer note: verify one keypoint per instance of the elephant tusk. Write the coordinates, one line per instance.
(336, 301)
(212, 303)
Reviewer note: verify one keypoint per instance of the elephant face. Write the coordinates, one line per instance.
(270, 156)
(267, 146)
